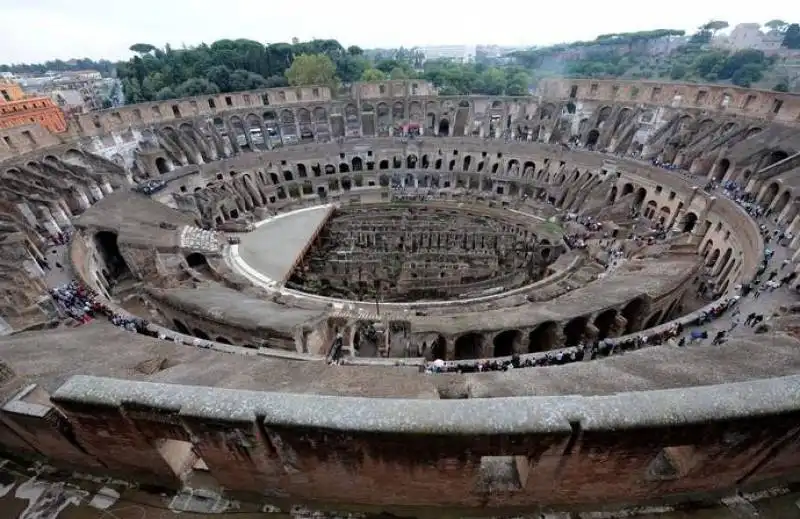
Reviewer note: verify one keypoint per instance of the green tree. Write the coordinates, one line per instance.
(166, 93)
(196, 87)
(517, 84)
(373, 74)
(398, 73)
(351, 67)
(678, 71)
(747, 75)
(781, 87)
(220, 75)
(715, 26)
(141, 48)
(791, 38)
(491, 82)
(776, 25)
(355, 50)
(312, 69)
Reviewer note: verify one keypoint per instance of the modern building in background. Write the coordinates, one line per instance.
(458, 53)
(18, 109)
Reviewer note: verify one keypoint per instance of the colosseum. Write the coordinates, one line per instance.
(387, 301)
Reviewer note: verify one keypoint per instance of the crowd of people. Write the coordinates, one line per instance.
(83, 306)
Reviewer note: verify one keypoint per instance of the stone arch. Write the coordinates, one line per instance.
(444, 127)
(602, 116)
(721, 169)
(411, 161)
(774, 157)
(725, 259)
(438, 348)
(612, 194)
(357, 163)
(162, 165)
(712, 260)
(383, 164)
(634, 313)
(574, 330)
(641, 194)
(344, 167)
(543, 338)
(469, 346)
(108, 249)
(627, 189)
(467, 163)
(200, 334)
(320, 115)
(592, 137)
(605, 323)
(196, 260)
(690, 220)
(506, 343)
(770, 193)
(782, 201)
(180, 327)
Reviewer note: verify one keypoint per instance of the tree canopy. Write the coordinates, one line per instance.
(154, 73)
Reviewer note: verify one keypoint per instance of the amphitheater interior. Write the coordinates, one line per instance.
(300, 258)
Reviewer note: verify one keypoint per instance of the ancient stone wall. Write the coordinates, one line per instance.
(554, 454)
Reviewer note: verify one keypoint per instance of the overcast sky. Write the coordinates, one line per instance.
(37, 30)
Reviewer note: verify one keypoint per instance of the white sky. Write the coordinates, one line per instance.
(37, 30)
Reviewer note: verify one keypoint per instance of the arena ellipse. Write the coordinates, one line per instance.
(261, 234)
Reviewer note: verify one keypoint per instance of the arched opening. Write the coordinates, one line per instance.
(725, 259)
(180, 327)
(770, 194)
(634, 314)
(612, 195)
(627, 189)
(543, 338)
(690, 220)
(641, 194)
(439, 348)
(467, 162)
(107, 246)
(469, 346)
(358, 164)
(575, 330)
(330, 169)
(384, 164)
(775, 157)
(344, 168)
(196, 260)
(605, 323)
(713, 259)
(782, 201)
(506, 342)
(200, 334)
(411, 161)
(444, 128)
(592, 138)
(721, 169)
(161, 165)
(222, 340)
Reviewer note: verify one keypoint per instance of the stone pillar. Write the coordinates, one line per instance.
(794, 227)
(59, 215)
(81, 199)
(48, 222)
(699, 231)
(97, 194)
(106, 187)
(26, 213)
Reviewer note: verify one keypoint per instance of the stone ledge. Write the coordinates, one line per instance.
(513, 415)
